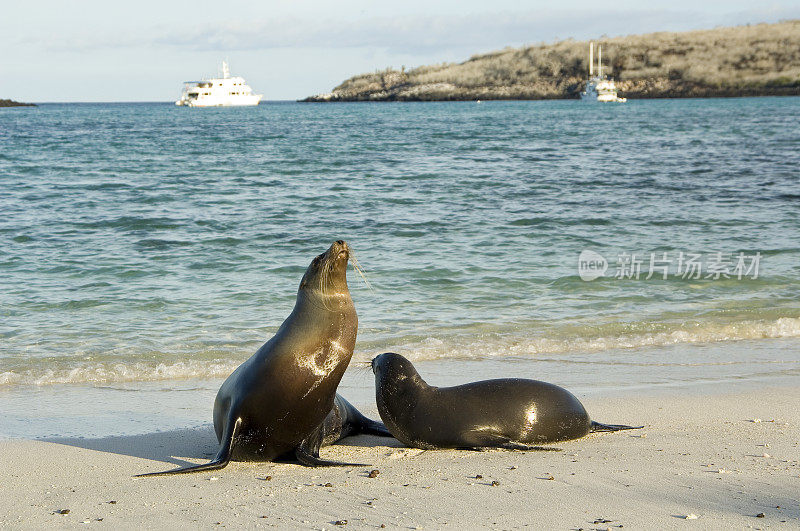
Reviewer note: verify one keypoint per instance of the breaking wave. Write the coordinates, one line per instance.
(502, 346)
(120, 372)
(463, 346)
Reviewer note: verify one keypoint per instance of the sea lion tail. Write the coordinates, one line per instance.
(221, 460)
(597, 427)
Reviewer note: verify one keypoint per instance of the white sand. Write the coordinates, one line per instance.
(699, 454)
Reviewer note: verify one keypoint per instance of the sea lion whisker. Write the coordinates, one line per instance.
(360, 374)
(360, 270)
(361, 368)
(327, 270)
(323, 283)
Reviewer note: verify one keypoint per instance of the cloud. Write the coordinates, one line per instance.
(412, 33)
(419, 34)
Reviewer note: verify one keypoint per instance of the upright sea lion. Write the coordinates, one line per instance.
(510, 413)
(274, 404)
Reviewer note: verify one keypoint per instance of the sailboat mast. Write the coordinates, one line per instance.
(591, 60)
(600, 60)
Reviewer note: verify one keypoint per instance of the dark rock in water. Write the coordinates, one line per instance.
(12, 103)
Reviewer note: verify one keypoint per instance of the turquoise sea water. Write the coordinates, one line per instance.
(150, 247)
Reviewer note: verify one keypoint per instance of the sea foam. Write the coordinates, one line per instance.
(464, 346)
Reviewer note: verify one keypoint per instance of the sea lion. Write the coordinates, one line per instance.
(274, 404)
(511, 413)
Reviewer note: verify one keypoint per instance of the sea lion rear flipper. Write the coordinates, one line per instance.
(307, 459)
(373, 427)
(307, 452)
(597, 426)
(357, 422)
(221, 460)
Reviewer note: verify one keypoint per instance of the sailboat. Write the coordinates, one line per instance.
(599, 88)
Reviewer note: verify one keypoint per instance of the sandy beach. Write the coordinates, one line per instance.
(723, 457)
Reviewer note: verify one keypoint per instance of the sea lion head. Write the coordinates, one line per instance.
(398, 388)
(394, 373)
(326, 276)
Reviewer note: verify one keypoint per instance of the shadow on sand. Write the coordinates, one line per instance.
(171, 447)
(200, 443)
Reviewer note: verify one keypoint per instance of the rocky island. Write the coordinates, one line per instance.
(12, 103)
(752, 60)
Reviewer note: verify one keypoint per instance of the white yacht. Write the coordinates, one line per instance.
(218, 92)
(599, 88)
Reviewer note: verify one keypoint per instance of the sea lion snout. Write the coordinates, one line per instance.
(340, 249)
(327, 273)
(378, 362)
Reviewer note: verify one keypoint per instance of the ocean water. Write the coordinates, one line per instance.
(146, 250)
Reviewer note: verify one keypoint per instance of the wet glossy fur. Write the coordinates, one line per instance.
(511, 413)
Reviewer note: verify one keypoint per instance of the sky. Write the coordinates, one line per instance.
(92, 50)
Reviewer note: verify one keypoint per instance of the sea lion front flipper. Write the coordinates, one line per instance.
(221, 460)
(486, 440)
(307, 452)
(527, 448)
(597, 426)
(513, 446)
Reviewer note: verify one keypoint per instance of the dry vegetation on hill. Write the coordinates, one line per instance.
(761, 59)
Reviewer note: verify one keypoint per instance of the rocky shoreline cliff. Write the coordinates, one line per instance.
(753, 60)
(12, 103)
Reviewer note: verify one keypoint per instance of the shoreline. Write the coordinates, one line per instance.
(701, 452)
(705, 93)
(125, 407)
(110, 407)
